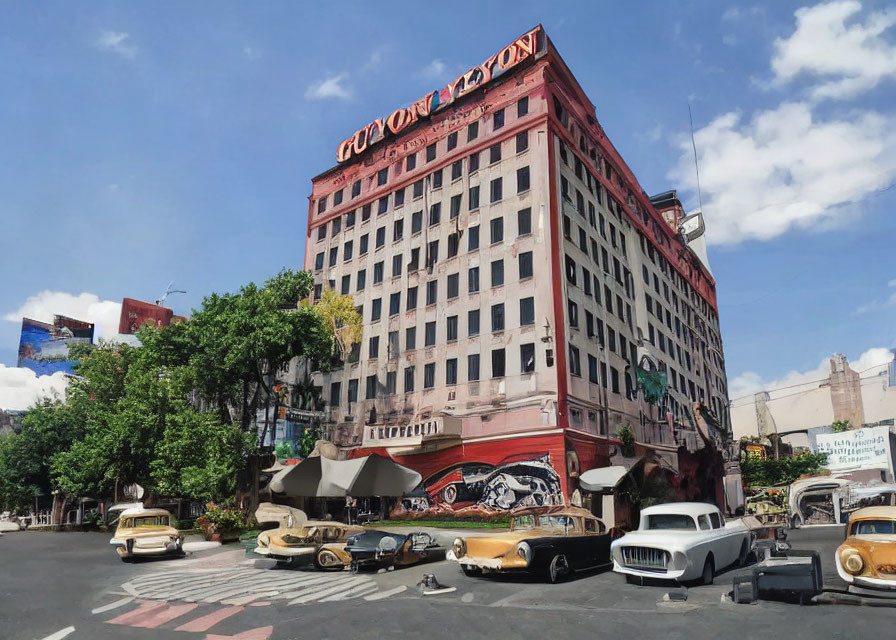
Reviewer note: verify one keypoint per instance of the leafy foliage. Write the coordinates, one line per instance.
(627, 437)
(340, 315)
(840, 426)
(768, 472)
(221, 519)
(308, 441)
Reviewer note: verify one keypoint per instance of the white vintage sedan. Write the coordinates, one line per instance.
(681, 541)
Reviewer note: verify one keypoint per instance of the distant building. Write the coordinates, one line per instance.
(516, 285)
(136, 313)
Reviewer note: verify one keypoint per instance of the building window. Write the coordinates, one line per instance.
(380, 237)
(592, 369)
(371, 387)
(473, 238)
(457, 170)
(432, 292)
(412, 298)
(455, 205)
(346, 285)
(473, 367)
(527, 357)
(373, 348)
(394, 303)
(614, 380)
(451, 371)
(586, 281)
(453, 286)
(567, 227)
(498, 317)
(335, 393)
(431, 152)
(334, 256)
(498, 362)
(452, 140)
(526, 268)
(571, 271)
(437, 179)
(397, 230)
(429, 375)
(397, 265)
(365, 213)
(472, 133)
(522, 141)
(473, 322)
(453, 244)
(575, 364)
(522, 106)
(573, 310)
(435, 214)
(494, 153)
(362, 280)
(398, 198)
(378, 273)
(410, 338)
(322, 205)
(522, 179)
(319, 261)
(524, 221)
(527, 311)
(496, 227)
(473, 163)
(376, 309)
(382, 205)
(352, 390)
(451, 326)
(335, 226)
(498, 273)
(429, 334)
(408, 379)
(390, 383)
(411, 162)
(356, 189)
(498, 119)
(321, 232)
(474, 198)
(347, 250)
(382, 176)
(416, 222)
(473, 280)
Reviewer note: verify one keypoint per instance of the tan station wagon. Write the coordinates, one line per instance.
(146, 532)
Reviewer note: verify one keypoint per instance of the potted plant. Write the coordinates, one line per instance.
(221, 523)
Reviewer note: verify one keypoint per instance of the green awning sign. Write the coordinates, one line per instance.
(653, 384)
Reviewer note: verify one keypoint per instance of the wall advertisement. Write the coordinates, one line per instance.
(867, 448)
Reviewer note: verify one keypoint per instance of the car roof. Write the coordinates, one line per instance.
(139, 511)
(873, 512)
(684, 508)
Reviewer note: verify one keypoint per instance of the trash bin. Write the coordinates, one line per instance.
(796, 575)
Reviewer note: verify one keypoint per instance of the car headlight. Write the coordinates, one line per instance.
(459, 547)
(262, 541)
(852, 561)
(524, 551)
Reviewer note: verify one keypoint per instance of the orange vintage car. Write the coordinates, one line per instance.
(867, 558)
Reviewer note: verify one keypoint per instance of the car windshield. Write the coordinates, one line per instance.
(147, 521)
(523, 522)
(556, 522)
(670, 521)
(872, 527)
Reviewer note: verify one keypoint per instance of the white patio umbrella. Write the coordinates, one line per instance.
(365, 477)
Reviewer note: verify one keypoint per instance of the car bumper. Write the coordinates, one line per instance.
(136, 549)
(285, 552)
(654, 575)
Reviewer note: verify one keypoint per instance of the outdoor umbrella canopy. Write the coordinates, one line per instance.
(365, 477)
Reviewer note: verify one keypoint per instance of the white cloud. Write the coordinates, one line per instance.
(737, 13)
(750, 382)
(21, 388)
(251, 52)
(331, 87)
(373, 62)
(105, 314)
(876, 305)
(786, 168)
(117, 42)
(848, 58)
(435, 70)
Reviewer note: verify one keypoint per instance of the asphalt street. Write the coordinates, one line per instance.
(53, 582)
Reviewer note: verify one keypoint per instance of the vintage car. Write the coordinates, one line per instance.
(681, 541)
(146, 532)
(292, 546)
(553, 541)
(867, 558)
(378, 549)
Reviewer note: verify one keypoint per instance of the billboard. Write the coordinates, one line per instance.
(136, 313)
(44, 347)
(867, 448)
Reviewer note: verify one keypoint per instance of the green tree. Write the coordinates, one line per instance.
(769, 472)
(840, 426)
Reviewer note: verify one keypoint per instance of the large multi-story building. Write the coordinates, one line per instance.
(514, 281)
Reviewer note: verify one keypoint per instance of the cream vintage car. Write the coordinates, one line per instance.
(867, 558)
(319, 541)
(146, 532)
(553, 541)
(681, 541)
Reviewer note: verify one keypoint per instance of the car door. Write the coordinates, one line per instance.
(597, 541)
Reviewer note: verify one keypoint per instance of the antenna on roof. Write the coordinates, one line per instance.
(168, 292)
(696, 166)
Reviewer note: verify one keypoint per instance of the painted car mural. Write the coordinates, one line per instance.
(523, 480)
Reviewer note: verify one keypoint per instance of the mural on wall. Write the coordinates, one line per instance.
(522, 480)
(44, 347)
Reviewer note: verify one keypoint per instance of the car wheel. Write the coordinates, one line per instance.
(709, 571)
(744, 553)
(470, 570)
(557, 569)
(325, 560)
(449, 494)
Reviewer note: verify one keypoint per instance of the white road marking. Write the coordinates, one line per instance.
(250, 598)
(317, 594)
(360, 590)
(385, 594)
(110, 606)
(60, 634)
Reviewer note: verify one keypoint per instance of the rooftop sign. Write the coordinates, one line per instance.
(522, 48)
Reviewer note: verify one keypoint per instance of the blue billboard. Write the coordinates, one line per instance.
(44, 347)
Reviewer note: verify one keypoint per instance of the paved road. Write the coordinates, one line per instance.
(52, 582)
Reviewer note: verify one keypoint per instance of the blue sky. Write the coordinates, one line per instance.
(144, 144)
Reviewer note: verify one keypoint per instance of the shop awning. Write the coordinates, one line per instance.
(365, 477)
(603, 478)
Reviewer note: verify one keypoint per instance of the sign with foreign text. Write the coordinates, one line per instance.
(520, 49)
(856, 449)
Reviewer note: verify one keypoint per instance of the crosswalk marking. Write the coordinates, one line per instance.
(59, 635)
(206, 622)
(315, 595)
(166, 615)
(385, 594)
(112, 605)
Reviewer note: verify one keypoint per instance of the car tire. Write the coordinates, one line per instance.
(557, 569)
(322, 565)
(288, 563)
(744, 554)
(709, 572)
(470, 571)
